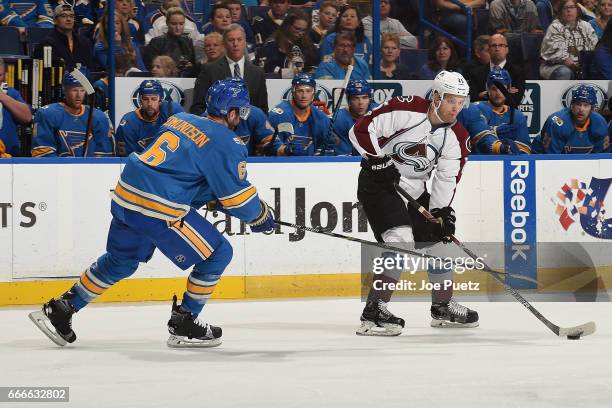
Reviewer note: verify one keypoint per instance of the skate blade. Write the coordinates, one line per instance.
(184, 342)
(452, 325)
(371, 329)
(44, 324)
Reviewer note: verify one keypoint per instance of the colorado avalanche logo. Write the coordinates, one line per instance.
(414, 154)
(577, 202)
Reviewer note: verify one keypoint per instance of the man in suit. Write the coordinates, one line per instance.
(498, 51)
(234, 64)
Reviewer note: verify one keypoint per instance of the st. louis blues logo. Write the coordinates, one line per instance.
(577, 202)
(411, 153)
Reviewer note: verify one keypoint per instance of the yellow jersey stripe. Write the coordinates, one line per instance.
(239, 199)
(145, 203)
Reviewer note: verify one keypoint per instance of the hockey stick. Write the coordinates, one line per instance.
(385, 246)
(328, 138)
(572, 333)
(91, 94)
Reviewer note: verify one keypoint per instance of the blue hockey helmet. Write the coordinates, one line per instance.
(69, 81)
(225, 95)
(358, 87)
(303, 79)
(499, 75)
(151, 87)
(586, 94)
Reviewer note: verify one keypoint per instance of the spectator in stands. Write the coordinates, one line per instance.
(27, 13)
(390, 25)
(452, 18)
(300, 128)
(481, 57)
(343, 55)
(498, 50)
(60, 128)
(86, 12)
(302, 3)
(235, 7)
(566, 36)
(125, 9)
(213, 48)
(513, 16)
(349, 20)
(163, 66)
(13, 111)
(174, 44)
(66, 44)
(328, 13)
(233, 64)
(220, 19)
(289, 47)
(604, 12)
(587, 8)
(390, 65)
(138, 128)
(159, 26)
(442, 57)
(577, 129)
(546, 12)
(125, 47)
(265, 26)
(603, 55)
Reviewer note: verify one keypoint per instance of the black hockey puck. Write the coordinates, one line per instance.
(573, 336)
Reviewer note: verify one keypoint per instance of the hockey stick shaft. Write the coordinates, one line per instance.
(553, 327)
(381, 245)
(91, 94)
(330, 131)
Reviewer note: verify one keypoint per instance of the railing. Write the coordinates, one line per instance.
(426, 23)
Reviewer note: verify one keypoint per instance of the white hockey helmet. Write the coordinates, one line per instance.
(451, 83)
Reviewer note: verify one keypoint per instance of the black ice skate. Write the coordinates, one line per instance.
(452, 314)
(376, 320)
(185, 331)
(55, 320)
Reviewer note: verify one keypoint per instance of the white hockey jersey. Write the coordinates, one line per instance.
(400, 129)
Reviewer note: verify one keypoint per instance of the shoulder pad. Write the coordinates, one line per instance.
(277, 110)
(557, 120)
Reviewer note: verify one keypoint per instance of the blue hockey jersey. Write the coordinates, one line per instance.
(33, 13)
(8, 127)
(192, 161)
(255, 132)
(560, 135)
(8, 17)
(59, 133)
(494, 119)
(481, 135)
(308, 132)
(135, 133)
(344, 122)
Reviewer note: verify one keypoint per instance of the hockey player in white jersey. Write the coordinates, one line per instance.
(403, 141)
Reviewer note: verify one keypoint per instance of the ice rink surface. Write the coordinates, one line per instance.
(304, 353)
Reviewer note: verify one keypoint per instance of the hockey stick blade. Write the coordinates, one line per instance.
(582, 330)
(390, 247)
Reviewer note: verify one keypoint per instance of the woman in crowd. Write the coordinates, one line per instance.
(163, 67)
(604, 12)
(442, 56)
(349, 19)
(125, 8)
(328, 13)
(288, 45)
(174, 44)
(159, 25)
(125, 47)
(390, 67)
(566, 36)
(213, 48)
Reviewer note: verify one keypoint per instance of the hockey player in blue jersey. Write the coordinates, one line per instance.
(577, 129)
(510, 138)
(59, 128)
(300, 128)
(32, 13)
(138, 128)
(193, 161)
(359, 96)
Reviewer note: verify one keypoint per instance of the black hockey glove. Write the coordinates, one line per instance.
(382, 170)
(446, 225)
